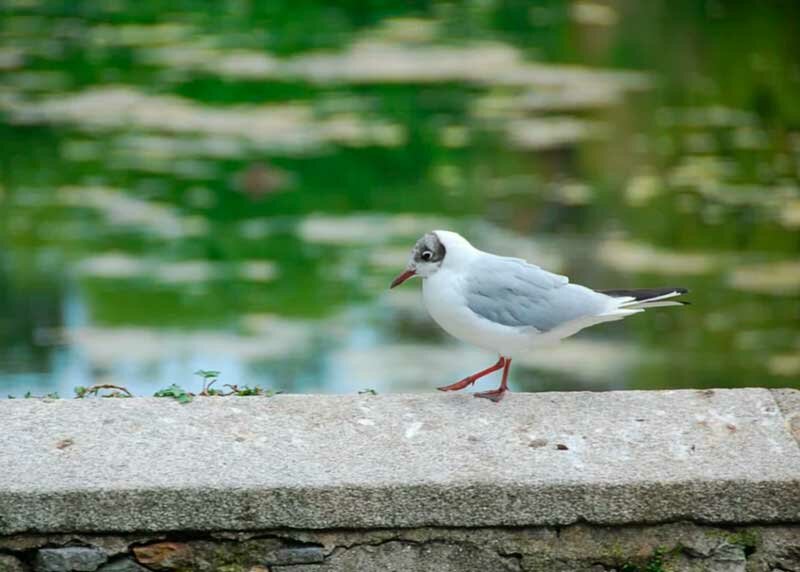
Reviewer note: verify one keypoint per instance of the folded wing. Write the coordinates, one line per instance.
(511, 292)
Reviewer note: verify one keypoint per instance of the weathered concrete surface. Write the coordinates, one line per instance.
(115, 465)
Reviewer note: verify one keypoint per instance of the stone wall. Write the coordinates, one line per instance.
(586, 482)
(677, 547)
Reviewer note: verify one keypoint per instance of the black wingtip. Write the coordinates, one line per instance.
(643, 294)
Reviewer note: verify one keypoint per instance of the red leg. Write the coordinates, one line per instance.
(498, 394)
(467, 381)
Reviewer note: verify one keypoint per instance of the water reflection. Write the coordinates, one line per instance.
(232, 189)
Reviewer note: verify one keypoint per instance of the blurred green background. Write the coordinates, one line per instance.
(232, 185)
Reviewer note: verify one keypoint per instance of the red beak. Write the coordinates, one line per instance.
(402, 278)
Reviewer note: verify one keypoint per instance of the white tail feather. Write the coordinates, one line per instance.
(648, 304)
(630, 302)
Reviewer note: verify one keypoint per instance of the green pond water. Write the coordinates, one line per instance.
(232, 186)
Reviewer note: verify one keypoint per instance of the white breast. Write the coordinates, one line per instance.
(443, 297)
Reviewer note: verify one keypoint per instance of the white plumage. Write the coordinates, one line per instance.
(508, 305)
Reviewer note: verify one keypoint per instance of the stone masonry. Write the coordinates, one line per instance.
(676, 547)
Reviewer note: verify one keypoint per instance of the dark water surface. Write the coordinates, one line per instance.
(233, 187)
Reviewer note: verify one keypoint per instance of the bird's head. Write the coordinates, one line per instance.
(429, 254)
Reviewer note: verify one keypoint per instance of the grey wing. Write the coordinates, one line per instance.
(511, 292)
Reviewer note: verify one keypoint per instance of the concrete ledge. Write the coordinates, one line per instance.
(320, 462)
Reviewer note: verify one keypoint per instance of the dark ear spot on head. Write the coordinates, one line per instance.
(429, 249)
(439, 250)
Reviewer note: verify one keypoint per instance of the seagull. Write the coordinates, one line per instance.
(508, 305)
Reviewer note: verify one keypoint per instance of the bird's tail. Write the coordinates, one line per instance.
(642, 298)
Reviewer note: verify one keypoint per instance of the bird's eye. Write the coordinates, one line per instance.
(427, 255)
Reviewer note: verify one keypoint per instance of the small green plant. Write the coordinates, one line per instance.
(95, 390)
(654, 564)
(747, 539)
(29, 395)
(209, 377)
(176, 392)
(248, 391)
(368, 391)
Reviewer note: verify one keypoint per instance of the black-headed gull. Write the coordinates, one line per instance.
(508, 305)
